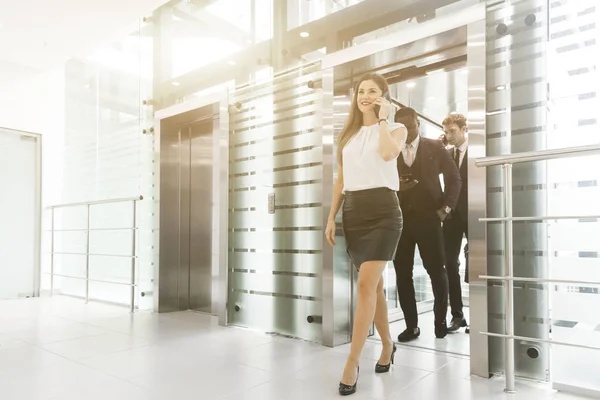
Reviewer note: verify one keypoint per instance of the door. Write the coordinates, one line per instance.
(430, 76)
(19, 214)
(185, 270)
(434, 96)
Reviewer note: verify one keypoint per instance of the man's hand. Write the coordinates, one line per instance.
(443, 139)
(407, 185)
(442, 214)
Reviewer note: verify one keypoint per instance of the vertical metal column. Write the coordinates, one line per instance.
(279, 54)
(52, 252)
(517, 81)
(509, 349)
(133, 255)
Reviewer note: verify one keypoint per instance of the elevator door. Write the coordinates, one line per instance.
(186, 216)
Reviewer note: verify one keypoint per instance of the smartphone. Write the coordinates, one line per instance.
(444, 139)
(407, 177)
(386, 95)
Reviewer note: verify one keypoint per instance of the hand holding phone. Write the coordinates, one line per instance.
(407, 182)
(377, 107)
(444, 139)
(406, 177)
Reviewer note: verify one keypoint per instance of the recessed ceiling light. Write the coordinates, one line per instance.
(501, 87)
(231, 62)
(304, 34)
(411, 85)
(435, 71)
(175, 83)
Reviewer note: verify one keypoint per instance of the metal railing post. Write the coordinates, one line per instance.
(52, 251)
(87, 257)
(509, 349)
(133, 255)
(507, 160)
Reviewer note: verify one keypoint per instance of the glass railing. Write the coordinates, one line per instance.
(568, 285)
(94, 250)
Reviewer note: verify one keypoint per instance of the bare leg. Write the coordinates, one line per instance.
(383, 326)
(366, 303)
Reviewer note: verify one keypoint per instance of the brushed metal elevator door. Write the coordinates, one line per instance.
(186, 251)
(200, 216)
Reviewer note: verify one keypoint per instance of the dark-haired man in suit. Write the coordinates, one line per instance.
(424, 207)
(455, 131)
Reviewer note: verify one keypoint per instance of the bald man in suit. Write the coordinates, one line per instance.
(424, 206)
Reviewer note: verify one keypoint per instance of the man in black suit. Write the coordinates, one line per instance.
(455, 130)
(424, 206)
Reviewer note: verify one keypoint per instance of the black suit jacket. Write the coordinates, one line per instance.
(462, 206)
(435, 160)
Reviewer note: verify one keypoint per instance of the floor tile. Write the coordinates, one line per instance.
(81, 348)
(62, 349)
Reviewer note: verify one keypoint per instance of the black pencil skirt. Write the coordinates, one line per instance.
(372, 224)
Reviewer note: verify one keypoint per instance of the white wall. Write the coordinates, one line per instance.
(36, 103)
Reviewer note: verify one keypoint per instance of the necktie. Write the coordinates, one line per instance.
(457, 157)
(409, 155)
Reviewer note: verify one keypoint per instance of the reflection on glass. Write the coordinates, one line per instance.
(196, 34)
(573, 189)
(107, 156)
(301, 12)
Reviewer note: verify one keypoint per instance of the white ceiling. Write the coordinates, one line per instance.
(38, 35)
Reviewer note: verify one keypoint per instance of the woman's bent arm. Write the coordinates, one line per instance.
(390, 143)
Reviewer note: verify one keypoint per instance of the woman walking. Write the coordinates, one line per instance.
(367, 183)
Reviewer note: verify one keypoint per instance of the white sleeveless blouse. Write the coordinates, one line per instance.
(362, 165)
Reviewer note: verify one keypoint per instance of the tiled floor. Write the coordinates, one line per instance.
(61, 349)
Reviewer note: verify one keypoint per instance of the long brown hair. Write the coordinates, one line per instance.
(355, 117)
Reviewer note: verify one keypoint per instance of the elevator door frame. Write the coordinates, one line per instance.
(219, 99)
(335, 330)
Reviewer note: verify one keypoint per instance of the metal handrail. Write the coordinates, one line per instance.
(94, 280)
(66, 253)
(423, 117)
(87, 254)
(96, 202)
(538, 280)
(548, 218)
(542, 155)
(91, 230)
(507, 161)
(529, 339)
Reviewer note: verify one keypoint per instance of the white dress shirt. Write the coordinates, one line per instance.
(409, 151)
(463, 149)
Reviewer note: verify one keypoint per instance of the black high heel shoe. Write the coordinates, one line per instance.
(385, 368)
(346, 390)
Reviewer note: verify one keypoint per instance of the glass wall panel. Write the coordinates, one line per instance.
(407, 23)
(275, 254)
(573, 57)
(301, 12)
(194, 35)
(573, 189)
(108, 155)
